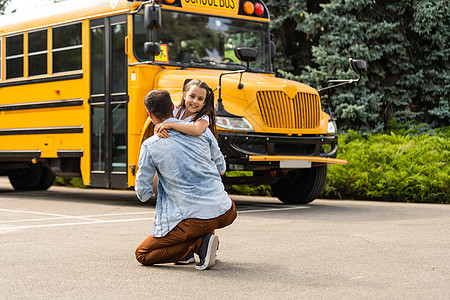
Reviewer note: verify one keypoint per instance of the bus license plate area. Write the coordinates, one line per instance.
(296, 164)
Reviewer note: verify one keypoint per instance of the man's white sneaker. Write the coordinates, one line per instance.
(187, 260)
(207, 252)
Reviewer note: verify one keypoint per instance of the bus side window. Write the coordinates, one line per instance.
(66, 48)
(14, 56)
(1, 61)
(37, 52)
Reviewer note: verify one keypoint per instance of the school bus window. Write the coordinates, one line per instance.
(98, 60)
(14, 56)
(37, 52)
(140, 36)
(66, 48)
(206, 41)
(118, 58)
(247, 38)
(1, 61)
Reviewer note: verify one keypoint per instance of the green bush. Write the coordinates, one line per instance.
(69, 181)
(401, 166)
(408, 165)
(249, 190)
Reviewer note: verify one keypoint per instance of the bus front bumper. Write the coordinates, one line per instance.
(253, 151)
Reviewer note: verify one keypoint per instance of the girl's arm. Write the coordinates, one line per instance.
(196, 129)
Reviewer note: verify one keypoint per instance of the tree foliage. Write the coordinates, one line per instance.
(405, 43)
(3, 4)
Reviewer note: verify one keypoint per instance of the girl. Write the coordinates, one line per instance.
(196, 109)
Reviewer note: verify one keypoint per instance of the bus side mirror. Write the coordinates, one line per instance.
(246, 54)
(273, 50)
(358, 65)
(152, 17)
(152, 49)
(152, 20)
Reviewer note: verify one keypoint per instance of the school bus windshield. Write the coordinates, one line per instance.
(192, 40)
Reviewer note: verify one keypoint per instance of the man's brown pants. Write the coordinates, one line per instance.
(182, 241)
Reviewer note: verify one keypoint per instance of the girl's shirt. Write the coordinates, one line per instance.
(188, 119)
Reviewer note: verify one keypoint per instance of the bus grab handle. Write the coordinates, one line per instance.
(126, 45)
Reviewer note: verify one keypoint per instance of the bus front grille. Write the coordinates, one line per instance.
(280, 111)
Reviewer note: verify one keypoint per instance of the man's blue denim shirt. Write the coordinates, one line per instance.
(189, 185)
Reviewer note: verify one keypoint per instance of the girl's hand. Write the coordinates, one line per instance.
(164, 133)
(158, 127)
(162, 126)
(161, 130)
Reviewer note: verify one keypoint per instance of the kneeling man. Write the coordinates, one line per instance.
(191, 201)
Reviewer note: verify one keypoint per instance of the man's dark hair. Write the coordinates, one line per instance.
(159, 104)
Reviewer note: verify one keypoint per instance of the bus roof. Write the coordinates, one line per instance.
(63, 12)
(76, 10)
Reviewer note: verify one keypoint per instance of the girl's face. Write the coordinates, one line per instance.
(194, 100)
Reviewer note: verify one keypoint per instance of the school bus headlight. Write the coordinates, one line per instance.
(233, 123)
(332, 128)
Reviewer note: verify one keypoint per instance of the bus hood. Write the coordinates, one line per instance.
(263, 100)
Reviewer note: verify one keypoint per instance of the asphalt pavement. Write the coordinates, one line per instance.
(68, 243)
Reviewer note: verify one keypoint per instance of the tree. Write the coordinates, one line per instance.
(405, 43)
(3, 4)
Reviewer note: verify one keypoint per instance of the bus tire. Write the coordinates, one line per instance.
(47, 179)
(301, 186)
(25, 179)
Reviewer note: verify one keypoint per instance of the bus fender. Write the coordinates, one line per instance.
(147, 130)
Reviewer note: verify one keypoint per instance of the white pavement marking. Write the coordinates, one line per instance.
(71, 224)
(46, 214)
(272, 209)
(90, 221)
(76, 217)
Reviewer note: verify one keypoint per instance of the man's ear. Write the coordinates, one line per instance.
(173, 106)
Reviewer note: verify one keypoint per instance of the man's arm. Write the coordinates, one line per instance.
(145, 175)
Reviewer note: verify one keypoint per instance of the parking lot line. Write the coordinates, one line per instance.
(87, 217)
(88, 220)
(272, 209)
(72, 224)
(46, 214)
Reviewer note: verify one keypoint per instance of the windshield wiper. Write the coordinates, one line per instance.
(206, 63)
(148, 62)
(186, 66)
(196, 63)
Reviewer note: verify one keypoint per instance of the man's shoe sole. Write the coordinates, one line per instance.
(186, 262)
(210, 259)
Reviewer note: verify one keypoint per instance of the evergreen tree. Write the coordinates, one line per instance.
(3, 4)
(405, 43)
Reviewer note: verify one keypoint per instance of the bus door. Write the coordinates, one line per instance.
(108, 102)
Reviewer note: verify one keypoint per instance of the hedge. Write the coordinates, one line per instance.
(400, 166)
(405, 166)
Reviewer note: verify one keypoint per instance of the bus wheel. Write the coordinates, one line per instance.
(26, 179)
(301, 186)
(47, 179)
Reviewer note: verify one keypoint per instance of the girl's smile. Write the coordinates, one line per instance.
(194, 100)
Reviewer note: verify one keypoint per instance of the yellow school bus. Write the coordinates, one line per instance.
(73, 77)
